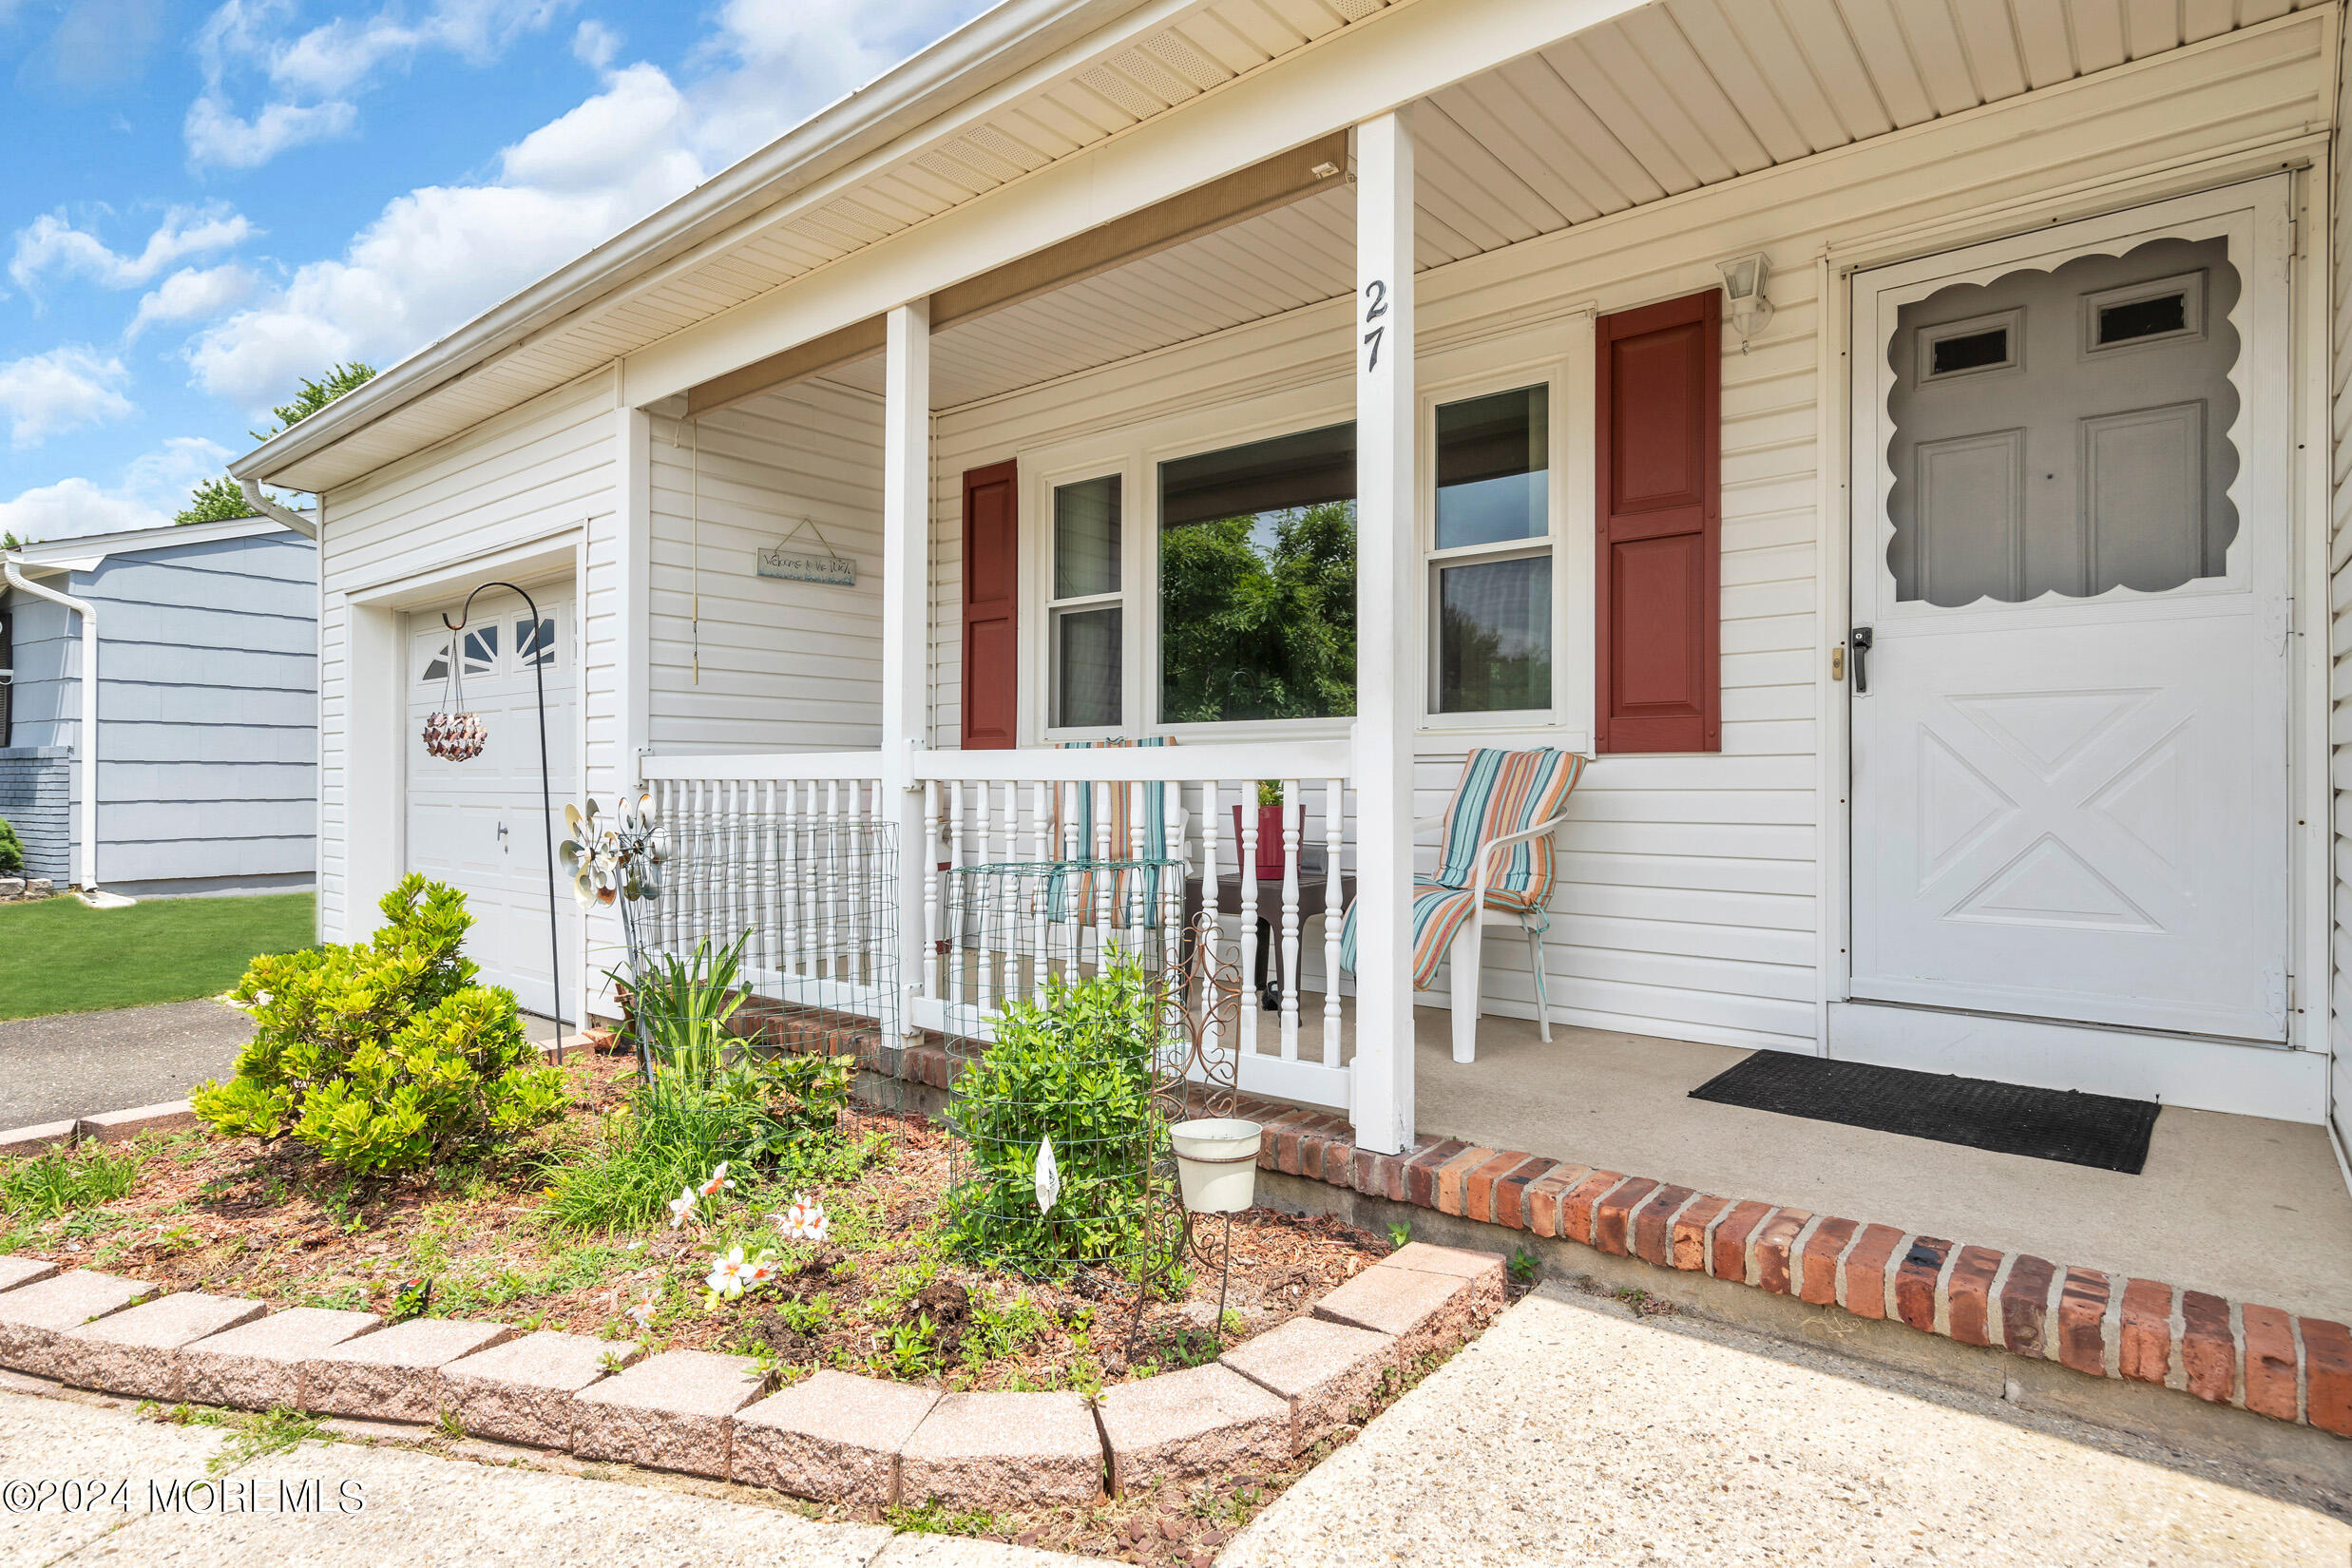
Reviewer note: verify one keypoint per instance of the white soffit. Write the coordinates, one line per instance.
(1679, 95)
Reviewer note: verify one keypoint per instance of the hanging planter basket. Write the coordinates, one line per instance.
(454, 734)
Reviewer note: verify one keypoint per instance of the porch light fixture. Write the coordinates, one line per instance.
(1743, 281)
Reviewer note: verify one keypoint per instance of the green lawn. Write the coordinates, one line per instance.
(62, 956)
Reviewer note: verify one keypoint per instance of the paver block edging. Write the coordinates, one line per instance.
(1194, 1422)
(33, 1315)
(142, 1352)
(524, 1390)
(394, 1374)
(832, 1438)
(672, 1412)
(998, 1451)
(115, 1126)
(39, 1135)
(257, 1365)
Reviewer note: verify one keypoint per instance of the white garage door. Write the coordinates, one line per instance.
(478, 825)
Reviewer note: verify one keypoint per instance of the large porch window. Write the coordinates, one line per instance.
(1257, 580)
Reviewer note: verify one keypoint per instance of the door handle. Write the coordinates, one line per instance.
(1858, 639)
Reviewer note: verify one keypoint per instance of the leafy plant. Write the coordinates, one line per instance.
(1074, 1067)
(384, 1057)
(63, 1180)
(1524, 1266)
(11, 850)
(911, 1347)
(678, 1008)
(1400, 1232)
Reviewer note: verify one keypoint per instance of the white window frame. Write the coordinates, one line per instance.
(1549, 374)
(1557, 352)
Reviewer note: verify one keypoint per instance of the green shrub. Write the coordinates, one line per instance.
(384, 1057)
(679, 1009)
(11, 850)
(1074, 1066)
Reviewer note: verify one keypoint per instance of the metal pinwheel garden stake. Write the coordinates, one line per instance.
(616, 862)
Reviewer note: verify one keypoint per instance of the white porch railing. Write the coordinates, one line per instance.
(766, 843)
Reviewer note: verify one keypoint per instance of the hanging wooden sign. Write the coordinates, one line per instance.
(802, 566)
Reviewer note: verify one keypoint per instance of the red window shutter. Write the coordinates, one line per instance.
(991, 608)
(1658, 527)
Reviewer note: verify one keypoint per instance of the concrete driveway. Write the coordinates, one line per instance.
(71, 1064)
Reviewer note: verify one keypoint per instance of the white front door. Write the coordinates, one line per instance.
(479, 825)
(2070, 558)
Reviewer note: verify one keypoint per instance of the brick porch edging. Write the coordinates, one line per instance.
(2262, 1359)
(831, 1437)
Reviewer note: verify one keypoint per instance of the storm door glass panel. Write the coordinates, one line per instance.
(1257, 580)
(1495, 635)
(1493, 469)
(2066, 432)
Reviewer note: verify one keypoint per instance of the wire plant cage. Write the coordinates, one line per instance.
(1088, 1016)
(761, 972)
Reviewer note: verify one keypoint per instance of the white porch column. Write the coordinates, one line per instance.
(906, 594)
(1388, 641)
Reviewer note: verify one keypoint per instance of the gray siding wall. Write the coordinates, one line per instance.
(35, 799)
(207, 709)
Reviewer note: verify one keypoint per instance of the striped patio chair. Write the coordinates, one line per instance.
(1074, 807)
(1495, 862)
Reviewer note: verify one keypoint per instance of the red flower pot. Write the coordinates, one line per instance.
(1268, 842)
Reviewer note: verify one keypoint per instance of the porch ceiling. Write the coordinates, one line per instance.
(1683, 94)
(1679, 95)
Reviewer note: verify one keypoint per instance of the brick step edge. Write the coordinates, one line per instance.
(2263, 1359)
(1198, 1420)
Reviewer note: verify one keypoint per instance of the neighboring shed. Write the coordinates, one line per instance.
(207, 703)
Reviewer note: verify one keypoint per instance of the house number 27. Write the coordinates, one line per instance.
(1375, 306)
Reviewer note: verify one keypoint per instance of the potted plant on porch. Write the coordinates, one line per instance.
(1269, 867)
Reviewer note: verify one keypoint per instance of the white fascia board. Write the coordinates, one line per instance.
(1001, 43)
(84, 553)
(1402, 56)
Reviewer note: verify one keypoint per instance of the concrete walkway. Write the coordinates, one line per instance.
(391, 1505)
(1573, 1432)
(72, 1065)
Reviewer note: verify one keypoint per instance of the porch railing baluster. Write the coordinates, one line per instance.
(1334, 911)
(1293, 802)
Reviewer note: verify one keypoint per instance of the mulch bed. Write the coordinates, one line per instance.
(234, 1218)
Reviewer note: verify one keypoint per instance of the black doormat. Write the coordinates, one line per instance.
(2100, 1131)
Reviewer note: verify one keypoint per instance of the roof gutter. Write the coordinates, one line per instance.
(992, 48)
(284, 516)
(87, 750)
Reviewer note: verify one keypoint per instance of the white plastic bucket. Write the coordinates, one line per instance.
(1216, 1164)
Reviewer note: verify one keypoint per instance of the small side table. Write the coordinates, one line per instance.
(1266, 902)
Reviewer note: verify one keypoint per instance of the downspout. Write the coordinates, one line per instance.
(89, 730)
(263, 507)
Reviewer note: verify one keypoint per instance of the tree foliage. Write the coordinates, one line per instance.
(384, 1057)
(11, 849)
(314, 395)
(215, 501)
(1251, 632)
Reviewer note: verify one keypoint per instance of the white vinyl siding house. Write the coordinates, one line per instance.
(1574, 162)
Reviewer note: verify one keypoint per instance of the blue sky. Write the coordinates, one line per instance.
(207, 202)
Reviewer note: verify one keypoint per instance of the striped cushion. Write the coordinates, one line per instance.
(1074, 807)
(1501, 792)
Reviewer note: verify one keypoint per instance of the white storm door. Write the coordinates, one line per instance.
(2071, 547)
(479, 825)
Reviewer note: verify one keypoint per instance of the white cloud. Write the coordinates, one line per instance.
(52, 244)
(217, 136)
(194, 293)
(45, 394)
(310, 78)
(594, 45)
(154, 486)
(439, 255)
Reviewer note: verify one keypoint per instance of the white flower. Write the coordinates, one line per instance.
(717, 1181)
(642, 1315)
(759, 1271)
(727, 1274)
(681, 1206)
(803, 1221)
